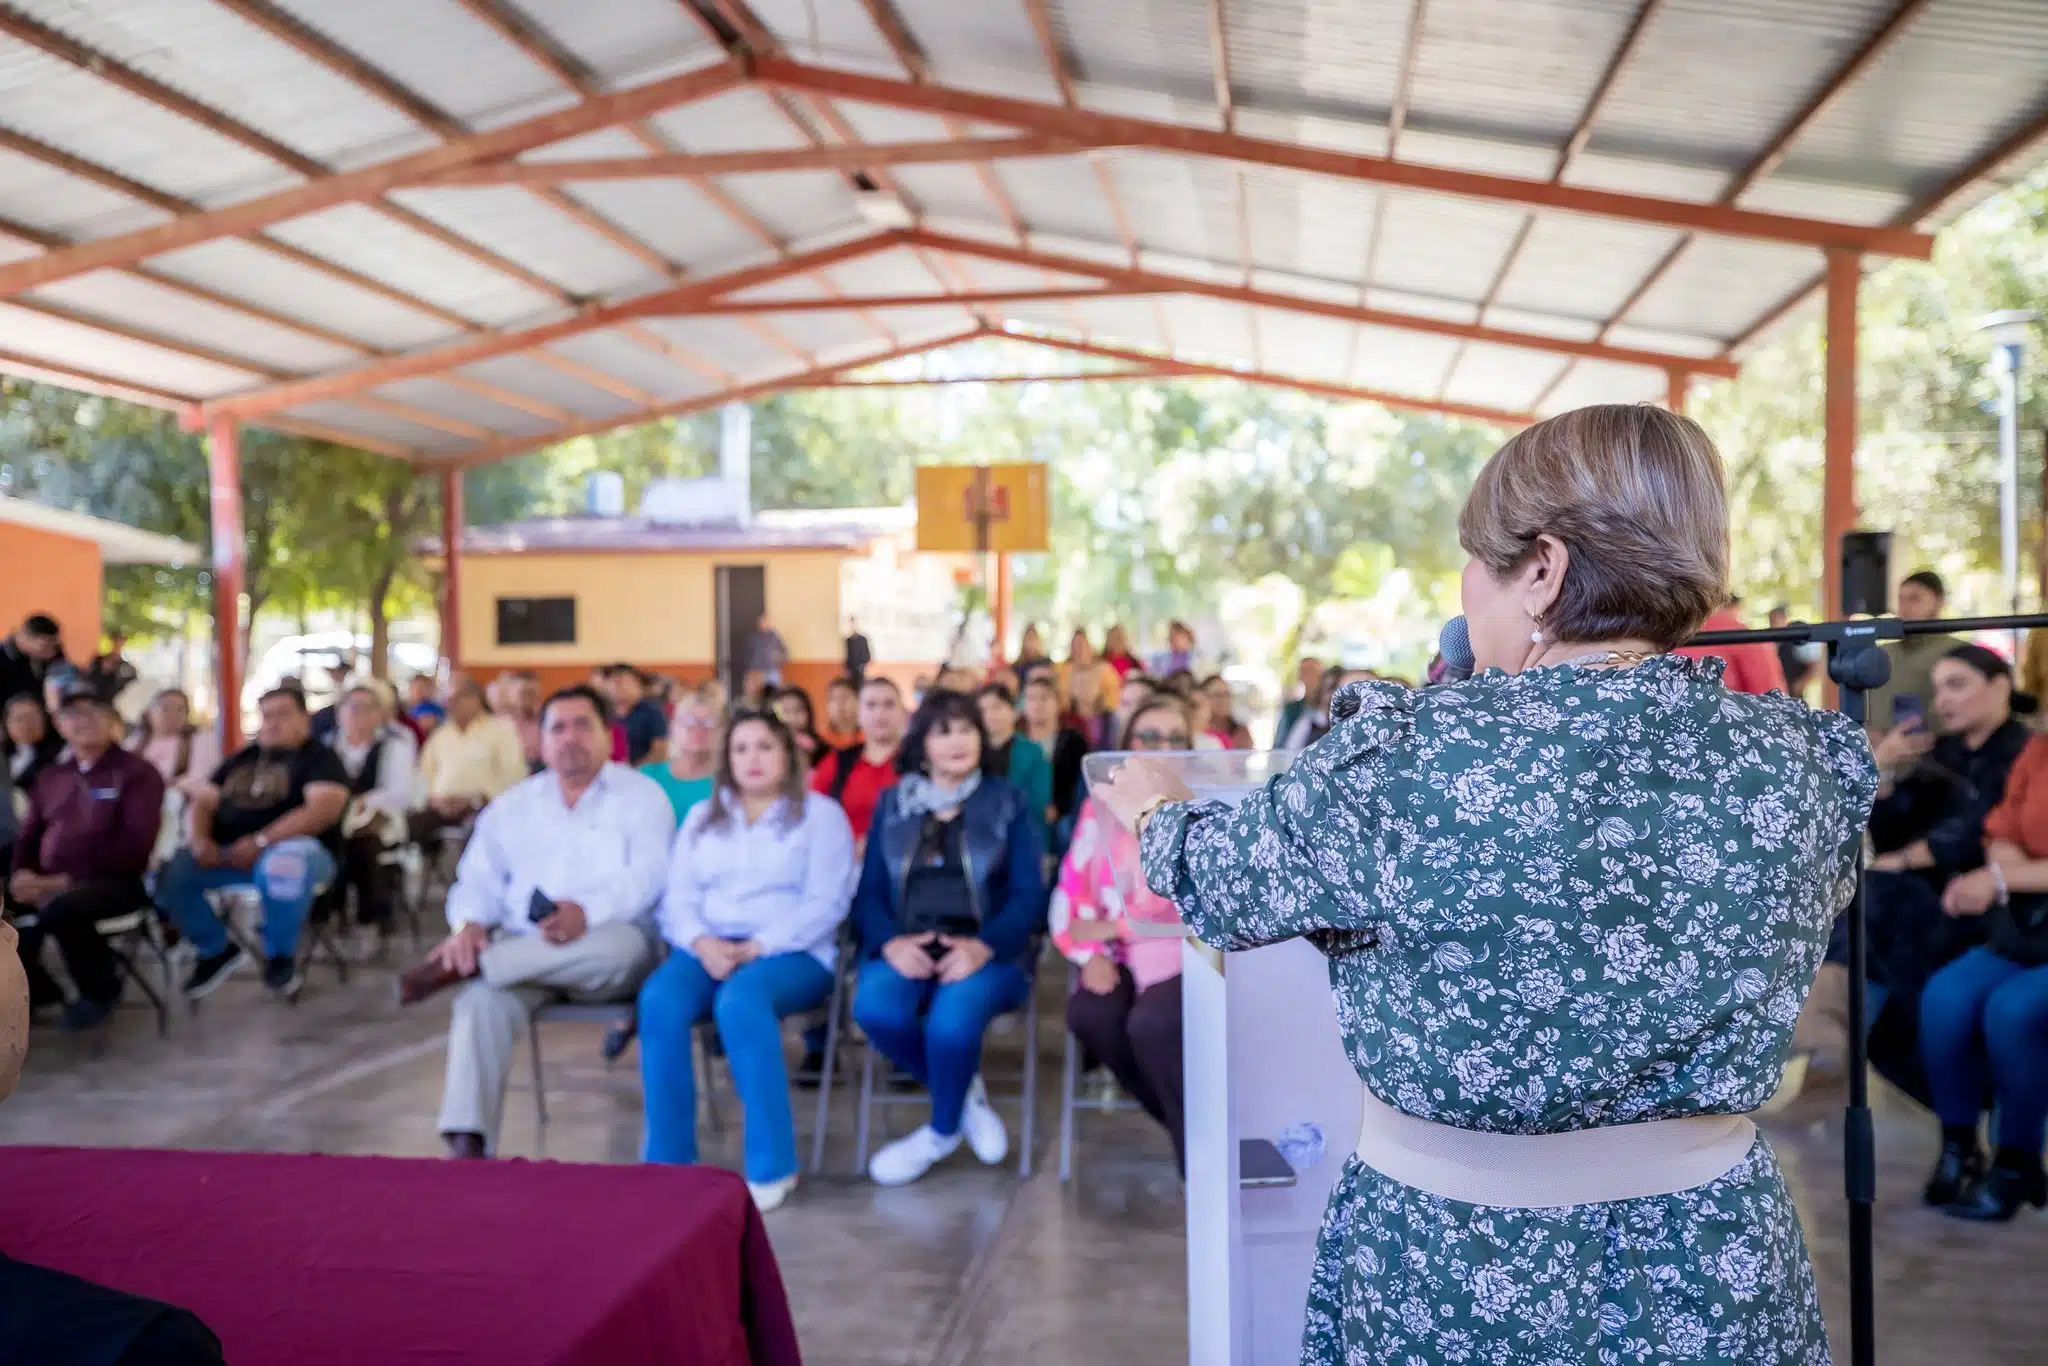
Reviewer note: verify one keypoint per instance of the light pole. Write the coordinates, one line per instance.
(2008, 332)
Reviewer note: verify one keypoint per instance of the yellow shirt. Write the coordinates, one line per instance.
(482, 761)
(1109, 685)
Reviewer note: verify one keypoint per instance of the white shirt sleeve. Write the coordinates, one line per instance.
(485, 872)
(682, 904)
(648, 824)
(393, 792)
(828, 882)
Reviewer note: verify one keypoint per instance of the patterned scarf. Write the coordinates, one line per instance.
(917, 795)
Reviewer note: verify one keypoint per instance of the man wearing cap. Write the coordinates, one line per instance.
(83, 848)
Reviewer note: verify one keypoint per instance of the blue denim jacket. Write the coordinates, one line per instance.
(1003, 848)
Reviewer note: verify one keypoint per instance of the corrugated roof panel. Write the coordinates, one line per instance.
(1639, 175)
(1195, 108)
(1947, 88)
(886, 123)
(1837, 203)
(793, 202)
(909, 323)
(1718, 286)
(821, 333)
(1335, 58)
(1145, 46)
(675, 218)
(1500, 376)
(456, 402)
(202, 50)
(726, 343)
(1599, 381)
(895, 271)
(1309, 225)
(1714, 80)
(1430, 244)
(250, 272)
(525, 375)
(949, 191)
(1179, 205)
(851, 356)
(627, 361)
(66, 108)
(1130, 321)
(742, 120)
(509, 222)
(1298, 344)
(625, 41)
(370, 244)
(54, 202)
(1059, 194)
(1337, 135)
(1654, 339)
(839, 35)
(1533, 159)
(1581, 267)
(1208, 330)
(441, 52)
(1093, 250)
(137, 302)
(1543, 324)
(382, 426)
(1401, 362)
(1287, 284)
(1521, 73)
(1424, 305)
(68, 344)
(990, 46)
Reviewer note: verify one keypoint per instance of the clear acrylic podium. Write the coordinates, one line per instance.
(1265, 1072)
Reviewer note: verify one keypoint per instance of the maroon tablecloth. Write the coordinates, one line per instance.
(376, 1261)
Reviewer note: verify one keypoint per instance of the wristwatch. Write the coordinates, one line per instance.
(1148, 810)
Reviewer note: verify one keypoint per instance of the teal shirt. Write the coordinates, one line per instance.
(682, 793)
(1031, 773)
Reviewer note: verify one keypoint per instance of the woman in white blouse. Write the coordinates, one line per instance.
(183, 754)
(379, 759)
(759, 881)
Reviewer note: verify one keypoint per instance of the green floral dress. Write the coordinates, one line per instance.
(1558, 900)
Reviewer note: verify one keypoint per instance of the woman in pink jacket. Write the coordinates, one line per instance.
(1127, 1010)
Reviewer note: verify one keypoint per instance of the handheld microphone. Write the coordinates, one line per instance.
(1455, 645)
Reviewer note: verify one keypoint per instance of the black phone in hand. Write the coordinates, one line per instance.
(540, 907)
(935, 949)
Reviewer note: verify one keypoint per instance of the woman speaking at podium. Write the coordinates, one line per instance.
(1572, 906)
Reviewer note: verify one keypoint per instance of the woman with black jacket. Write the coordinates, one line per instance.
(949, 908)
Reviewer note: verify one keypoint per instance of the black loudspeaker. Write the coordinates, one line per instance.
(1866, 573)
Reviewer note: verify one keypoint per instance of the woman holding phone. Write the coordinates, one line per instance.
(949, 907)
(757, 888)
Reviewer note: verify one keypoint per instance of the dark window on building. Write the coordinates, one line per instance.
(536, 621)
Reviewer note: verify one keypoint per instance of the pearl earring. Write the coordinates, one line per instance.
(1536, 637)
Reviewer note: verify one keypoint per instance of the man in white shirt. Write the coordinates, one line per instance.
(379, 758)
(466, 762)
(551, 900)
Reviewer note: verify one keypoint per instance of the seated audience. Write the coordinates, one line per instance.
(51, 1318)
(792, 706)
(948, 910)
(645, 721)
(327, 720)
(81, 852)
(842, 715)
(1218, 711)
(1010, 755)
(183, 755)
(267, 817)
(32, 743)
(1984, 1017)
(686, 776)
(1127, 1010)
(953, 678)
(378, 759)
(110, 673)
(1030, 653)
(757, 888)
(755, 691)
(1087, 669)
(1308, 673)
(422, 707)
(1922, 597)
(1313, 724)
(856, 777)
(1044, 727)
(467, 761)
(28, 654)
(1087, 708)
(1117, 653)
(1177, 658)
(549, 902)
(1138, 690)
(522, 709)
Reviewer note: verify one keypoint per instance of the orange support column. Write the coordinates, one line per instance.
(224, 471)
(452, 519)
(1838, 471)
(1676, 383)
(999, 609)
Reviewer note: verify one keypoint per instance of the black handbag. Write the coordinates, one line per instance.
(2019, 929)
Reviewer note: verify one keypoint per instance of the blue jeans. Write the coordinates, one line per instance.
(1984, 1026)
(933, 1030)
(287, 875)
(749, 1007)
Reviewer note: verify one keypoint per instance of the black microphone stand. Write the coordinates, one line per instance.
(1857, 664)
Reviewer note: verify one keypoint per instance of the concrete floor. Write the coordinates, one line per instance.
(969, 1265)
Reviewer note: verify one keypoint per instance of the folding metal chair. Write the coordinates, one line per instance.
(130, 936)
(1027, 1094)
(1071, 1099)
(618, 1014)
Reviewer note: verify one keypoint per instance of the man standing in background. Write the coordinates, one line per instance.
(858, 653)
(766, 653)
(27, 656)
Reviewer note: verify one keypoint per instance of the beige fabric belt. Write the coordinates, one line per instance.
(1546, 1171)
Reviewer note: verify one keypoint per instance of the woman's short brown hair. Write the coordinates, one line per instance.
(1638, 497)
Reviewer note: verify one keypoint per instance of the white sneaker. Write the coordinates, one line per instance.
(769, 1195)
(985, 1130)
(908, 1158)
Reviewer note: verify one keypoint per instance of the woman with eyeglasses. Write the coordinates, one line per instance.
(1127, 1008)
(950, 903)
(686, 776)
(757, 887)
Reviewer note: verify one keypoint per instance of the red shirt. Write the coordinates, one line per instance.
(95, 823)
(864, 788)
(1751, 668)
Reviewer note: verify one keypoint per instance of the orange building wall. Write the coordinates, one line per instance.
(42, 571)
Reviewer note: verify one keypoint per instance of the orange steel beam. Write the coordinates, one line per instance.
(677, 298)
(113, 181)
(1161, 370)
(675, 351)
(1397, 121)
(423, 417)
(324, 191)
(1120, 278)
(507, 447)
(1773, 153)
(172, 101)
(1838, 470)
(1033, 116)
(1324, 388)
(672, 165)
(744, 307)
(505, 398)
(592, 376)
(338, 436)
(1582, 133)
